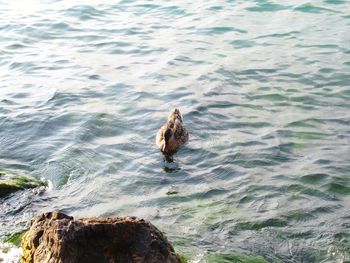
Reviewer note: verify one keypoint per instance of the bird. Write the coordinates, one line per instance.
(173, 134)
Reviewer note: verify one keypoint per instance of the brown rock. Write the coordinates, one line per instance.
(57, 238)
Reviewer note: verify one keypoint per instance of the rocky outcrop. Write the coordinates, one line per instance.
(57, 238)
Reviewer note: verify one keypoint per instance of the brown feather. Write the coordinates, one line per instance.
(180, 135)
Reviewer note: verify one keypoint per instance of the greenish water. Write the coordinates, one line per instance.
(264, 87)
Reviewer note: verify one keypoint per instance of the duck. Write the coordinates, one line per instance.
(173, 134)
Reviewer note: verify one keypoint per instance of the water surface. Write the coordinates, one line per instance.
(264, 87)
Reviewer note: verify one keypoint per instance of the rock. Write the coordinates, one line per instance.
(10, 182)
(57, 238)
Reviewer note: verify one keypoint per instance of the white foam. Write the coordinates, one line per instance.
(199, 258)
(9, 253)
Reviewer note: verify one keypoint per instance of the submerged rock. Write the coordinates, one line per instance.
(55, 237)
(10, 183)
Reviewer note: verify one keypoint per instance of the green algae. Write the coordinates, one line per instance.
(183, 259)
(15, 238)
(12, 182)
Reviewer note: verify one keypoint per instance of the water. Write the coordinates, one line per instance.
(264, 87)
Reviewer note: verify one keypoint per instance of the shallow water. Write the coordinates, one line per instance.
(264, 87)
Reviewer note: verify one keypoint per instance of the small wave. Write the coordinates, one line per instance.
(309, 8)
(84, 12)
(219, 30)
(267, 7)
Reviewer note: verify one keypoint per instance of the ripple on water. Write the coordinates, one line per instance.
(314, 178)
(84, 12)
(309, 8)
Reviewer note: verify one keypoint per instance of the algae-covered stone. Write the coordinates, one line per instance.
(15, 238)
(11, 182)
(183, 259)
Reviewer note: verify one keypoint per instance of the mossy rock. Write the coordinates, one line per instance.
(15, 238)
(183, 259)
(11, 182)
